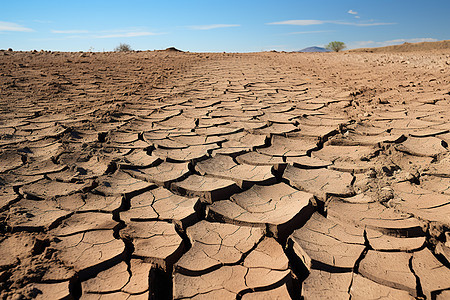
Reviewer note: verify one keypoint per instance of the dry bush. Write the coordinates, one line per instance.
(123, 48)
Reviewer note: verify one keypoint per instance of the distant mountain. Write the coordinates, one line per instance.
(314, 49)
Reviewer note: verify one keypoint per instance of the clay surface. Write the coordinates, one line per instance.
(179, 175)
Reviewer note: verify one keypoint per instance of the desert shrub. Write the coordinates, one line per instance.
(335, 46)
(123, 47)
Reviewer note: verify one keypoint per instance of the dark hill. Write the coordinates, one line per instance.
(314, 49)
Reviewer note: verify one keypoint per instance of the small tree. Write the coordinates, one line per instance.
(123, 48)
(335, 46)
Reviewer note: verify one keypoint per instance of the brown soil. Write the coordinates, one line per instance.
(409, 47)
(179, 175)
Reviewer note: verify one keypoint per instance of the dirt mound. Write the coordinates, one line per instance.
(408, 47)
(173, 49)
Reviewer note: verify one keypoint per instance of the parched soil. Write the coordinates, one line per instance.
(437, 47)
(173, 175)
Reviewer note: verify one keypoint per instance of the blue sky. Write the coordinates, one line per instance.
(215, 26)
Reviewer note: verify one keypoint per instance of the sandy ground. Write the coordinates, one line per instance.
(225, 176)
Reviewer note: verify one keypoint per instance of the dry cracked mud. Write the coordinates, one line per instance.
(172, 175)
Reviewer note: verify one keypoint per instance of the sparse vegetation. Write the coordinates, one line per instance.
(123, 48)
(336, 46)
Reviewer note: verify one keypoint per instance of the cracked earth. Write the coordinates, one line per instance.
(170, 175)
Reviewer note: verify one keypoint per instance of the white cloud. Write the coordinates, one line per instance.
(126, 29)
(363, 44)
(352, 12)
(69, 31)
(298, 22)
(8, 26)
(126, 34)
(286, 48)
(103, 34)
(212, 26)
(416, 40)
(308, 32)
(319, 22)
(43, 21)
(274, 47)
(360, 24)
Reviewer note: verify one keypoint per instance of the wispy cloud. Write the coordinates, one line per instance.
(319, 22)
(8, 26)
(362, 44)
(354, 13)
(69, 31)
(276, 48)
(298, 22)
(126, 34)
(104, 34)
(212, 26)
(43, 21)
(310, 32)
(360, 24)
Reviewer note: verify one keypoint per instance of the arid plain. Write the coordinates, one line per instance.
(167, 174)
